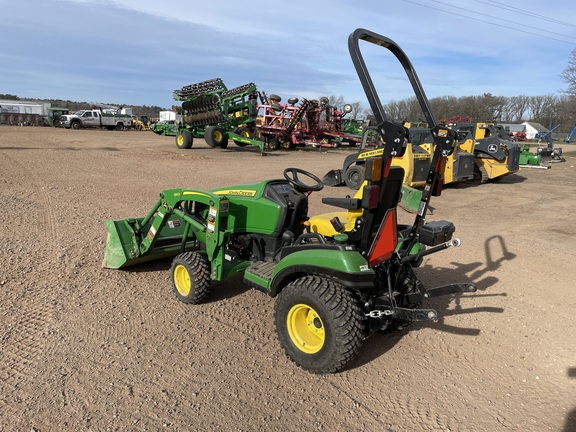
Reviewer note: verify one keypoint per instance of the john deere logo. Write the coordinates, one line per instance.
(492, 148)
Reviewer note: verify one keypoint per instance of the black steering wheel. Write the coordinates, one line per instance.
(291, 174)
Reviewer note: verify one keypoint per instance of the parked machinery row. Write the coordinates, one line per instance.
(479, 155)
(210, 111)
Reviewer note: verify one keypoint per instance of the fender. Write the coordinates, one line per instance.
(347, 266)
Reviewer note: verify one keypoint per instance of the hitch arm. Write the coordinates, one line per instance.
(454, 242)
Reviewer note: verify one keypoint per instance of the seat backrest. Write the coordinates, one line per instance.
(391, 193)
(389, 197)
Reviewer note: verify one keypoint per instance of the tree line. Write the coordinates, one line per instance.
(548, 110)
(140, 110)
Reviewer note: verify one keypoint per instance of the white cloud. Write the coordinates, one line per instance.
(297, 48)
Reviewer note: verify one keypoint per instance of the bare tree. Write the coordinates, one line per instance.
(566, 112)
(569, 74)
(547, 109)
(492, 106)
(445, 107)
(543, 108)
(515, 109)
(337, 101)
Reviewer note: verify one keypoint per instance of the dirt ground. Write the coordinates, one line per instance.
(90, 349)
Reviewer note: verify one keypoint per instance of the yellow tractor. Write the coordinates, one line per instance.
(415, 161)
(494, 157)
(141, 123)
(458, 166)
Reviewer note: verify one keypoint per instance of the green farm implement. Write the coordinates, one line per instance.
(332, 289)
(210, 111)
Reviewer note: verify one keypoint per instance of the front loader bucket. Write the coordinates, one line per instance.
(333, 178)
(121, 245)
(410, 200)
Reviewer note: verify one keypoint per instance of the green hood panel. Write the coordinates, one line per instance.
(250, 210)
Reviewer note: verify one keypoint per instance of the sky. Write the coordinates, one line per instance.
(137, 52)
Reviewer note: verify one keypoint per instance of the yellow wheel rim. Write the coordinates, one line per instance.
(218, 136)
(305, 328)
(180, 140)
(182, 280)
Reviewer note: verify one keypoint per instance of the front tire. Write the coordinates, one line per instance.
(319, 324)
(184, 139)
(190, 277)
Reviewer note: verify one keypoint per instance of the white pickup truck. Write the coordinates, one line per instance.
(96, 118)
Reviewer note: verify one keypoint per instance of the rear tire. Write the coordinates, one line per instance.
(184, 139)
(354, 176)
(119, 126)
(191, 277)
(319, 324)
(216, 137)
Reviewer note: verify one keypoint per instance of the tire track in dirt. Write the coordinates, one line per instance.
(26, 311)
(234, 317)
(243, 327)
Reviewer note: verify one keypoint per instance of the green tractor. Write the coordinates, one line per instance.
(332, 290)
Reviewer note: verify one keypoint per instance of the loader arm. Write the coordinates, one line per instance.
(204, 223)
(181, 219)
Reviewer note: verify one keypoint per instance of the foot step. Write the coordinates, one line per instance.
(263, 269)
